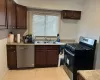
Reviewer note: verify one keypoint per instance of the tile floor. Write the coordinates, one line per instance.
(37, 74)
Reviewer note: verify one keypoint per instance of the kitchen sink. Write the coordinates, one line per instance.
(49, 42)
(45, 42)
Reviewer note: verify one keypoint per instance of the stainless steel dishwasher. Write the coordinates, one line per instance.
(25, 56)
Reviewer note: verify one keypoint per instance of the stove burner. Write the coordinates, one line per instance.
(77, 47)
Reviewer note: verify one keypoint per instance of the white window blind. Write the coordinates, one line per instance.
(38, 25)
(45, 25)
(52, 25)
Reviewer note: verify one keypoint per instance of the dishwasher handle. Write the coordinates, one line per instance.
(22, 48)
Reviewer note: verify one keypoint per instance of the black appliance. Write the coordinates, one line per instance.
(27, 39)
(79, 56)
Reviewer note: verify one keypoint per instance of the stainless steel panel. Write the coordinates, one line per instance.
(69, 73)
(25, 56)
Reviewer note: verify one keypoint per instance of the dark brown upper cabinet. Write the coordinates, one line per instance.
(3, 24)
(71, 14)
(11, 14)
(21, 16)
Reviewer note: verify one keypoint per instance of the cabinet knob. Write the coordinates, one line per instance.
(14, 51)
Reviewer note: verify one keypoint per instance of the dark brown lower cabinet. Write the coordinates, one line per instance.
(11, 57)
(52, 57)
(46, 56)
(40, 58)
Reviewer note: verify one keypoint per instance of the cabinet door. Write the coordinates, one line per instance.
(40, 58)
(67, 14)
(11, 59)
(70, 14)
(11, 14)
(3, 14)
(21, 17)
(77, 14)
(52, 57)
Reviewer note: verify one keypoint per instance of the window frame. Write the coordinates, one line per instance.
(42, 12)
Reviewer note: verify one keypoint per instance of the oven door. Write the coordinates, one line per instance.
(69, 59)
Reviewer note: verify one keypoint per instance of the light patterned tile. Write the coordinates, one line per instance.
(37, 74)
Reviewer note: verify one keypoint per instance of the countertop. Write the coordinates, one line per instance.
(90, 74)
(35, 44)
(57, 43)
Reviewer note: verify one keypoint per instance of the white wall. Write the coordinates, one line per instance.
(68, 29)
(3, 58)
(53, 4)
(89, 25)
(16, 1)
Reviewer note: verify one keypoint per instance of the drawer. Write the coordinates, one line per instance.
(11, 51)
(11, 47)
(40, 47)
(52, 47)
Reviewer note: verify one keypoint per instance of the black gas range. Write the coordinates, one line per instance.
(79, 56)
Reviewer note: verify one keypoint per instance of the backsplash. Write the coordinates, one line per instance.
(4, 33)
(19, 31)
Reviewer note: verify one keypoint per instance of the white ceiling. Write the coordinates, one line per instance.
(53, 4)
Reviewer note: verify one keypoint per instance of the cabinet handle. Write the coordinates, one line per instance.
(14, 51)
(23, 48)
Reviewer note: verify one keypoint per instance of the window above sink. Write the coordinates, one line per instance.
(45, 24)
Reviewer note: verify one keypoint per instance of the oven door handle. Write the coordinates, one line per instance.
(69, 53)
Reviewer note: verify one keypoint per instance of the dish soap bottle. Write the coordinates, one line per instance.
(58, 38)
